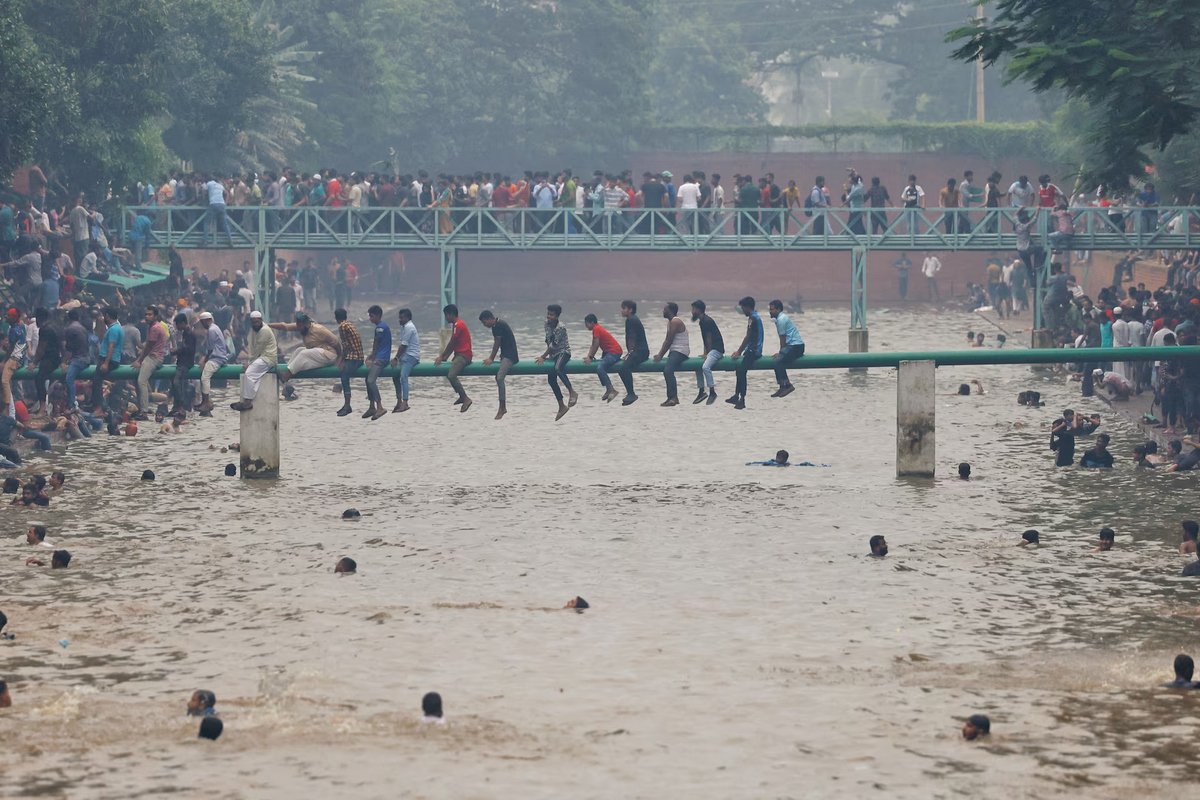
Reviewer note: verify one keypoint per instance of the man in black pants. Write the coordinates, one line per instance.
(749, 351)
(636, 349)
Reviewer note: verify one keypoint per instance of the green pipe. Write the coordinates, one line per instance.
(943, 358)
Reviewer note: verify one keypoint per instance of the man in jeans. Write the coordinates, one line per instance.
(458, 353)
(75, 354)
(408, 354)
(749, 350)
(17, 350)
(216, 210)
(381, 354)
(154, 352)
(350, 360)
(606, 343)
(714, 351)
(676, 343)
(636, 349)
(558, 350)
(791, 347)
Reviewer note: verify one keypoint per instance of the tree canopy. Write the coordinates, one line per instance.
(1133, 61)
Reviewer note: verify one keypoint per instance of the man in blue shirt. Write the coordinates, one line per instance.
(139, 237)
(1148, 199)
(110, 356)
(791, 347)
(379, 357)
(16, 349)
(749, 351)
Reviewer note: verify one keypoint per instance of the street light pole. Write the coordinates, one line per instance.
(830, 76)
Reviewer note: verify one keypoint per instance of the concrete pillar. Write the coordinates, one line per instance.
(859, 340)
(1043, 339)
(916, 405)
(260, 432)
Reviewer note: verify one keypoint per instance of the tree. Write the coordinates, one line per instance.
(1134, 61)
(31, 98)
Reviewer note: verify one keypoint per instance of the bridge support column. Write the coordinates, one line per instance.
(859, 340)
(264, 282)
(916, 405)
(449, 261)
(260, 432)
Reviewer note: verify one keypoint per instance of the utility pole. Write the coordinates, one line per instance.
(980, 100)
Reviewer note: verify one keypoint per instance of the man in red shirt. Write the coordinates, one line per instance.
(458, 353)
(606, 343)
(1048, 193)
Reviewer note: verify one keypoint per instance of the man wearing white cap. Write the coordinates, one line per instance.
(216, 355)
(264, 355)
(1121, 338)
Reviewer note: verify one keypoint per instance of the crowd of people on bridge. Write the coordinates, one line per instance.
(695, 202)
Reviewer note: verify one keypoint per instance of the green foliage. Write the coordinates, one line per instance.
(1134, 61)
(31, 100)
(214, 64)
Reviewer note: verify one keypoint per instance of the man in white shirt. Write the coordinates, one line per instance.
(1022, 194)
(408, 353)
(718, 202)
(688, 199)
(930, 267)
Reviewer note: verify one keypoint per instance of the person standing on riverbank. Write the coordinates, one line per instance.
(458, 353)
(637, 350)
(679, 348)
(504, 343)
(558, 350)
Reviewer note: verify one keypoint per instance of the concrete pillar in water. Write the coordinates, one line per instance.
(916, 405)
(260, 432)
(859, 341)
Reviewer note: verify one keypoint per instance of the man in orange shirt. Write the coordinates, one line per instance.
(458, 353)
(611, 352)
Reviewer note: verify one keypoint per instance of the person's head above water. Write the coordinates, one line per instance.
(201, 702)
(5, 697)
(351, 513)
(976, 725)
(11, 485)
(431, 705)
(35, 534)
(1191, 530)
(148, 475)
(964, 388)
(1107, 538)
(781, 456)
(879, 545)
(1184, 667)
(211, 728)
(60, 559)
(346, 566)
(964, 471)
(231, 470)
(1030, 537)
(577, 603)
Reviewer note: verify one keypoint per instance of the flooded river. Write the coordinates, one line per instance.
(740, 643)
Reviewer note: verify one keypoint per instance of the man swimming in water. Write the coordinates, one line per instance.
(431, 709)
(1106, 541)
(577, 603)
(1184, 669)
(1029, 537)
(346, 566)
(879, 547)
(964, 471)
(977, 725)
(1098, 456)
(1191, 530)
(5, 697)
(202, 703)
